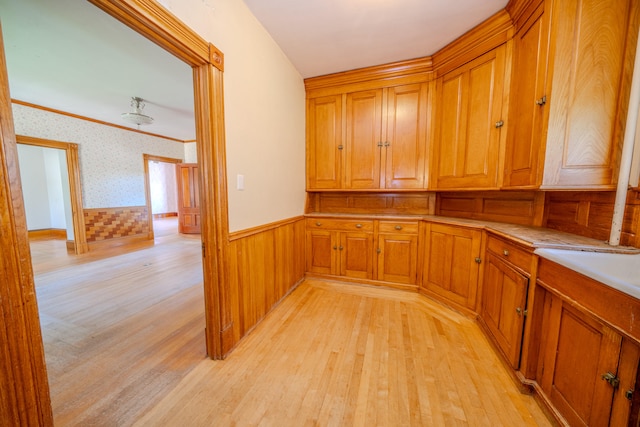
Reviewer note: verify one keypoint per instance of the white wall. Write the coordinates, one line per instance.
(163, 187)
(111, 159)
(264, 112)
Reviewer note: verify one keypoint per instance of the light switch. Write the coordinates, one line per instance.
(240, 182)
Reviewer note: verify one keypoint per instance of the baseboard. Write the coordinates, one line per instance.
(165, 215)
(48, 234)
(124, 243)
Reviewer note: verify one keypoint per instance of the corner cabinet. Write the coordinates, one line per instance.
(452, 263)
(573, 61)
(368, 140)
(469, 119)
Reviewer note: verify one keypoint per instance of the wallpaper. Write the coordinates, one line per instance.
(111, 162)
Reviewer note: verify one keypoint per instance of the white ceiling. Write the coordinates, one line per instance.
(71, 56)
(327, 36)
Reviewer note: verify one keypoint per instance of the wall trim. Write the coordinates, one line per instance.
(240, 234)
(89, 119)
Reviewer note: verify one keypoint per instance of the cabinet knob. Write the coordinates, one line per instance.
(478, 260)
(519, 311)
(505, 252)
(358, 225)
(341, 248)
(379, 143)
(541, 101)
(387, 143)
(611, 379)
(318, 223)
(335, 247)
(499, 123)
(340, 147)
(378, 250)
(398, 227)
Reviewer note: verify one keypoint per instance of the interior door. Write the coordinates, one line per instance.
(188, 198)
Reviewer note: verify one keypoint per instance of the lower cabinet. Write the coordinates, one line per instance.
(588, 367)
(397, 252)
(503, 308)
(369, 250)
(340, 253)
(452, 263)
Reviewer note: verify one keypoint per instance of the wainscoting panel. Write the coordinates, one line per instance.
(265, 264)
(372, 203)
(515, 207)
(113, 223)
(589, 214)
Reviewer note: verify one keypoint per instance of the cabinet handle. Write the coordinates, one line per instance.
(318, 223)
(505, 252)
(478, 260)
(519, 311)
(499, 123)
(335, 247)
(398, 227)
(387, 143)
(340, 147)
(341, 248)
(379, 143)
(358, 225)
(611, 379)
(378, 250)
(541, 101)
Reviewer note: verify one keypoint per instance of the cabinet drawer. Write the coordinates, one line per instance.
(339, 224)
(510, 253)
(398, 227)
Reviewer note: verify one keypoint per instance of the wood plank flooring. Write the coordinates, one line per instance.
(124, 345)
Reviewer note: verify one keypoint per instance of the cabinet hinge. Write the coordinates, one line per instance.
(203, 250)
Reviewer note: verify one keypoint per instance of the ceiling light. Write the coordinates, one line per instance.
(136, 116)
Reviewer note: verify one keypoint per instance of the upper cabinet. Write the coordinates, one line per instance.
(571, 77)
(469, 108)
(380, 142)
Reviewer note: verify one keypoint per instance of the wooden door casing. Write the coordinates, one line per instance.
(188, 198)
(504, 294)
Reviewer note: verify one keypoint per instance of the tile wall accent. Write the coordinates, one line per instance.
(110, 223)
(111, 163)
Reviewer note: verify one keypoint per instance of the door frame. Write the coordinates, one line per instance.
(24, 389)
(75, 185)
(147, 184)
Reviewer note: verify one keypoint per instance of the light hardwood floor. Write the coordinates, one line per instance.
(124, 345)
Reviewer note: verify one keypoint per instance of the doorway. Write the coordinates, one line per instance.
(161, 194)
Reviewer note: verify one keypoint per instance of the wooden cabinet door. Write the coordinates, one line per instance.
(577, 351)
(324, 143)
(397, 258)
(405, 142)
(188, 198)
(592, 55)
(363, 140)
(321, 252)
(356, 255)
(525, 140)
(451, 270)
(504, 293)
(469, 106)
